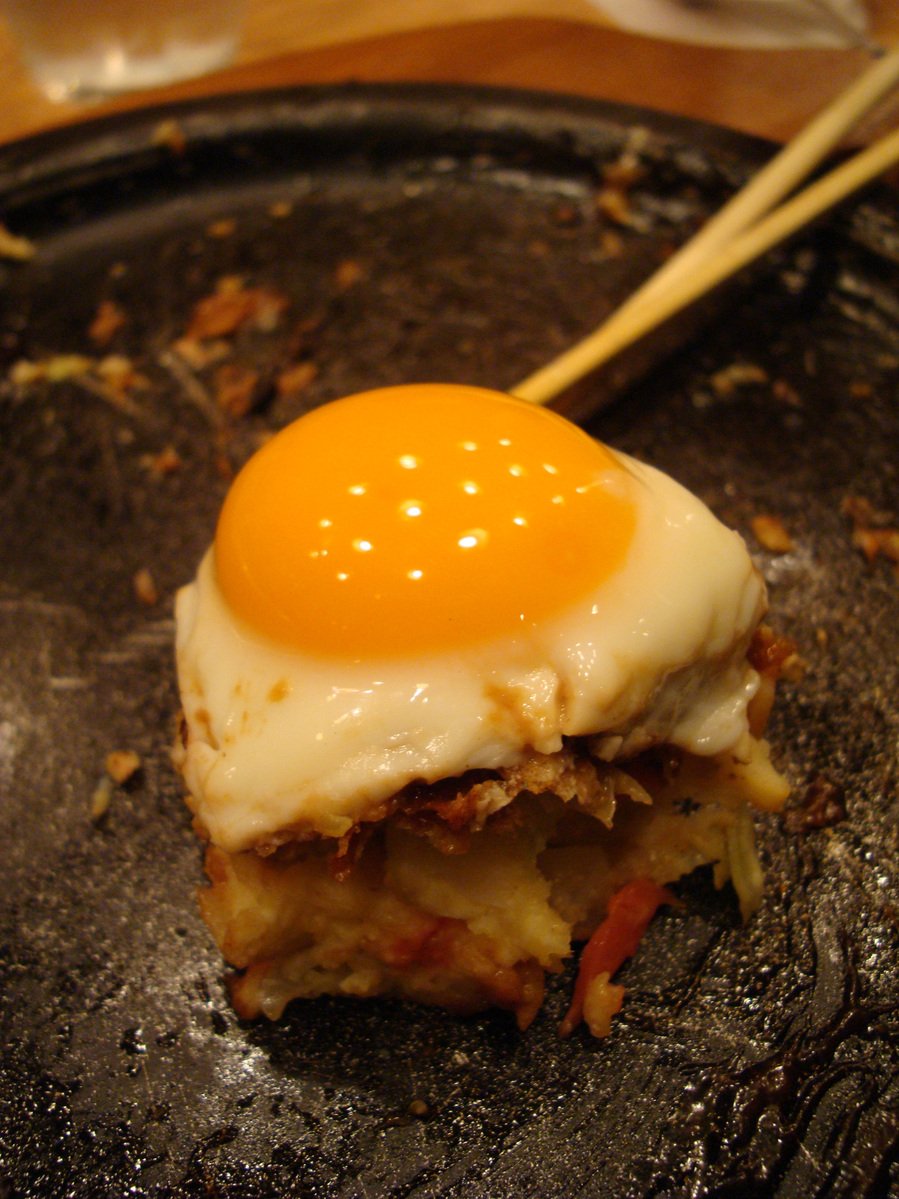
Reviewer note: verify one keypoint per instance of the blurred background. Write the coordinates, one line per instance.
(762, 66)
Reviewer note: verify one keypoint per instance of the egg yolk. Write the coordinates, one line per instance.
(420, 518)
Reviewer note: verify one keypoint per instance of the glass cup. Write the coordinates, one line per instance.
(92, 48)
(771, 24)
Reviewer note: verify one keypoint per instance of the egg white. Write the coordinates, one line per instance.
(280, 742)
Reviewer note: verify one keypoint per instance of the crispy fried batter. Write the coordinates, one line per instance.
(448, 812)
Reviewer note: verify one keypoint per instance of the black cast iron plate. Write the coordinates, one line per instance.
(756, 1060)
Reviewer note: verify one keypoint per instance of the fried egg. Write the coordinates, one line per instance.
(418, 581)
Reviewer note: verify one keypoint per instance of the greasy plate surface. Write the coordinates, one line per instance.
(756, 1060)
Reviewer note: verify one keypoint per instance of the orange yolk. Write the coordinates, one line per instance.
(420, 518)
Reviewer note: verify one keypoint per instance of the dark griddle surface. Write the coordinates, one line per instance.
(747, 1061)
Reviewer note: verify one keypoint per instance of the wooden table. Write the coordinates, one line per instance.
(557, 45)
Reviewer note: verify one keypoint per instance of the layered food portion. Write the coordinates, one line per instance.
(462, 688)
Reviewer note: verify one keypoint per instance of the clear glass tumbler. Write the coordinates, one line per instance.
(771, 24)
(82, 49)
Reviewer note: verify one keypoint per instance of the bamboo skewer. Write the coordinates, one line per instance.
(612, 337)
(788, 168)
(740, 232)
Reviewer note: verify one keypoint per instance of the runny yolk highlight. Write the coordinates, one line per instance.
(420, 518)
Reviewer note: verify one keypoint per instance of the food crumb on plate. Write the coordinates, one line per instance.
(236, 388)
(100, 799)
(19, 249)
(122, 764)
(739, 374)
(222, 229)
(55, 369)
(234, 306)
(108, 320)
(169, 133)
(822, 805)
(145, 588)
(786, 393)
(295, 379)
(874, 532)
(166, 462)
(200, 354)
(771, 534)
(347, 273)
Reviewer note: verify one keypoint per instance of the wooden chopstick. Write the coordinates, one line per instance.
(740, 231)
(610, 338)
(788, 168)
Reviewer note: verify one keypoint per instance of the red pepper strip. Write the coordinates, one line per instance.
(615, 939)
